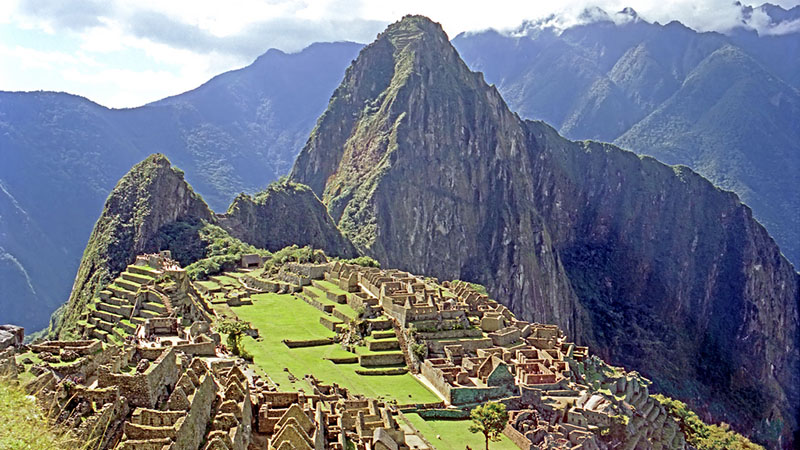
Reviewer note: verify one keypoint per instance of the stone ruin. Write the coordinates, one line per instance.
(169, 386)
(478, 351)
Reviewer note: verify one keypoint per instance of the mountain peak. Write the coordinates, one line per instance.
(409, 64)
(415, 32)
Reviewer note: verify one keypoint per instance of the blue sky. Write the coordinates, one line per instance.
(128, 53)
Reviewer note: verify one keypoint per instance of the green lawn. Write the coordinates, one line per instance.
(330, 287)
(455, 435)
(319, 295)
(279, 317)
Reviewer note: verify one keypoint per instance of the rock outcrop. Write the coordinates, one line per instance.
(285, 214)
(424, 167)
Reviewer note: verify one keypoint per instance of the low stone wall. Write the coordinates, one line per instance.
(381, 359)
(469, 345)
(312, 271)
(341, 316)
(473, 395)
(386, 371)
(516, 437)
(82, 348)
(380, 324)
(329, 323)
(450, 334)
(198, 349)
(505, 336)
(307, 343)
(382, 345)
(444, 414)
(328, 309)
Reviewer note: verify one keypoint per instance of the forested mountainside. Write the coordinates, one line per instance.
(424, 167)
(63, 154)
(726, 106)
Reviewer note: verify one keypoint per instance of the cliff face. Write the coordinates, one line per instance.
(282, 215)
(151, 195)
(424, 167)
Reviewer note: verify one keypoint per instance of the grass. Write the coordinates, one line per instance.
(320, 296)
(227, 280)
(25, 427)
(279, 317)
(455, 434)
(332, 288)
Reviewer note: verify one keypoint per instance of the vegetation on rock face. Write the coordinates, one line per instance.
(489, 419)
(286, 213)
(24, 425)
(727, 106)
(701, 435)
(152, 195)
(204, 249)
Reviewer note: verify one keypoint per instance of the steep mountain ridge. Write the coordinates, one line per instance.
(425, 168)
(724, 105)
(153, 208)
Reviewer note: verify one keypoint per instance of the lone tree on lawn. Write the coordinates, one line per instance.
(489, 419)
(234, 330)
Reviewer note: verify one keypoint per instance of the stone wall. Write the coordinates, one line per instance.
(516, 437)
(82, 348)
(144, 389)
(378, 359)
(191, 433)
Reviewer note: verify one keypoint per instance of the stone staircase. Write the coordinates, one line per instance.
(401, 339)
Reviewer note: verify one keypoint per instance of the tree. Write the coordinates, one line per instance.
(489, 419)
(234, 329)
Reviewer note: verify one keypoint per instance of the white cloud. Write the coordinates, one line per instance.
(157, 48)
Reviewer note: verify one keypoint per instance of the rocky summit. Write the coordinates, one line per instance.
(423, 166)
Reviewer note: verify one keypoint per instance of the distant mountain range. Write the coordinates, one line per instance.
(724, 105)
(63, 154)
(727, 106)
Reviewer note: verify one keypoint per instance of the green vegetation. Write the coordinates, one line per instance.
(24, 426)
(364, 261)
(454, 434)
(220, 251)
(489, 419)
(701, 435)
(234, 329)
(278, 317)
(293, 253)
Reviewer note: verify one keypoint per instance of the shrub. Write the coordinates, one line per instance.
(419, 350)
(364, 261)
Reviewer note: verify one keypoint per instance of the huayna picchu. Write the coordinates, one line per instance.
(434, 273)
